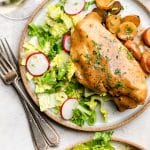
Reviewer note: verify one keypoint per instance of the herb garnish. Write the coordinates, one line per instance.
(117, 71)
(98, 46)
(117, 56)
(119, 84)
(88, 57)
(111, 24)
(98, 56)
(122, 8)
(88, 4)
(107, 58)
(129, 55)
(129, 30)
(75, 60)
(97, 52)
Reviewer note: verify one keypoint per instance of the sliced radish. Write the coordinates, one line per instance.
(66, 43)
(73, 7)
(37, 64)
(67, 107)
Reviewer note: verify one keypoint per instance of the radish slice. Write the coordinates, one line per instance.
(67, 107)
(37, 64)
(66, 43)
(74, 7)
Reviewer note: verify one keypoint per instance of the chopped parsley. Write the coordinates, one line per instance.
(129, 55)
(129, 30)
(97, 52)
(111, 24)
(107, 58)
(108, 75)
(100, 67)
(122, 8)
(88, 4)
(75, 60)
(88, 57)
(119, 84)
(98, 46)
(117, 71)
(98, 56)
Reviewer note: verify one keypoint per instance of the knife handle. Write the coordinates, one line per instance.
(37, 138)
(38, 123)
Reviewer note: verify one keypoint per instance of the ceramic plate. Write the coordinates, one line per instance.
(119, 144)
(116, 119)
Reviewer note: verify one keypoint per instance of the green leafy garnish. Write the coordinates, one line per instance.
(119, 84)
(129, 55)
(117, 71)
(88, 4)
(100, 141)
(82, 115)
(74, 89)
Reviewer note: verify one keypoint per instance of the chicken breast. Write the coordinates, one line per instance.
(103, 64)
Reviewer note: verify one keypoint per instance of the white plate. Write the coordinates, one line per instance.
(119, 144)
(116, 119)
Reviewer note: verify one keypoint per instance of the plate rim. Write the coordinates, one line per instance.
(114, 139)
(50, 115)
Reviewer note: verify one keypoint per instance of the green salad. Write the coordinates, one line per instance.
(58, 83)
(100, 141)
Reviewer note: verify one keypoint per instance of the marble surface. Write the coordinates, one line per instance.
(14, 130)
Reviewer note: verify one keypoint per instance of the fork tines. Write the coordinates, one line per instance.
(5, 63)
(7, 52)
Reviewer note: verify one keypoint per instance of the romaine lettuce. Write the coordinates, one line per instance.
(103, 110)
(82, 115)
(70, 69)
(54, 12)
(60, 98)
(67, 20)
(74, 89)
(100, 141)
(41, 88)
(59, 22)
(58, 30)
(46, 101)
(60, 59)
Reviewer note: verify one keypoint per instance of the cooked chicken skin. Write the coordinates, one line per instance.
(103, 64)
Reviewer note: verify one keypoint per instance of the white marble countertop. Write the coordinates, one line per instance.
(14, 130)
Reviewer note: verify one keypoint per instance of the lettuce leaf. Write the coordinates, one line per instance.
(54, 12)
(101, 101)
(81, 147)
(70, 69)
(100, 141)
(88, 4)
(82, 115)
(60, 59)
(74, 89)
(55, 79)
(46, 101)
(59, 22)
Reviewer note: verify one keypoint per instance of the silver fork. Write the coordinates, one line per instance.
(42, 133)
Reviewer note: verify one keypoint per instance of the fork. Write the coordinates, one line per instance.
(39, 126)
